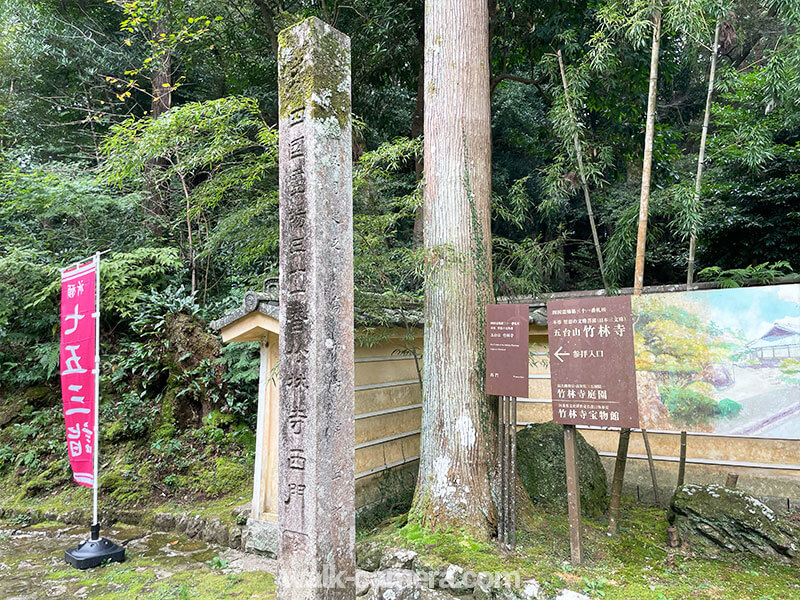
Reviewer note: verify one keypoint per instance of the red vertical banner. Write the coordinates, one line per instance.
(78, 358)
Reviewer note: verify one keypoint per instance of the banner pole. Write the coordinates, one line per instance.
(96, 392)
(96, 551)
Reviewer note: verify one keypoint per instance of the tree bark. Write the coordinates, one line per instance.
(269, 23)
(456, 456)
(638, 276)
(582, 172)
(702, 153)
(192, 257)
(155, 206)
(161, 79)
(417, 127)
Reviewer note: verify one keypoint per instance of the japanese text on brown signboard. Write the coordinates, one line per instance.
(593, 380)
(507, 349)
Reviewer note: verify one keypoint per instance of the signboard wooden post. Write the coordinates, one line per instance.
(507, 377)
(573, 494)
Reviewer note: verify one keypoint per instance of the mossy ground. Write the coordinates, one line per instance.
(157, 567)
(637, 564)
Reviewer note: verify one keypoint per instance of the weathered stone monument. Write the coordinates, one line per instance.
(316, 429)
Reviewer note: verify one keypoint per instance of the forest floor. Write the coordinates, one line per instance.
(637, 564)
(208, 472)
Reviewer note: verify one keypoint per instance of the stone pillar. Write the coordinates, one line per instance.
(316, 486)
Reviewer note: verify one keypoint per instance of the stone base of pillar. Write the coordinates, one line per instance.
(262, 538)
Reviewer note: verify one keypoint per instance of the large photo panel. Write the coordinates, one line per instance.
(723, 361)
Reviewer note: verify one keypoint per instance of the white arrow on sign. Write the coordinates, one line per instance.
(558, 354)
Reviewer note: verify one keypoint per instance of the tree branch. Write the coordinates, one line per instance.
(526, 80)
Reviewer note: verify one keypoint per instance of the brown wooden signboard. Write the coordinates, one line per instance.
(507, 349)
(592, 368)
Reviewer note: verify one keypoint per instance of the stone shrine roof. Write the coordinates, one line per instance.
(253, 302)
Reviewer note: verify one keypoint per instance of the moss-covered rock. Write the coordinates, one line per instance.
(56, 474)
(713, 518)
(40, 395)
(226, 476)
(542, 469)
(9, 409)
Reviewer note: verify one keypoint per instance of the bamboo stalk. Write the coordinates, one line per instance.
(651, 465)
(682, 462)
(702, 153)
(582, 172)
(641, 238)
(647, 163)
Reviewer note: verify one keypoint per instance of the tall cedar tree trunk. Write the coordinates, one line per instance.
(453, 490)
(638, 276)
(702, 153)
(581, 171)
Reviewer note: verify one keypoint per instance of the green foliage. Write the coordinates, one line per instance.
(790, 371)
(674, 339)
(690, 407)
(595, 588)
(728, 408)
(218, 562)
(193, 138)
(763, 274)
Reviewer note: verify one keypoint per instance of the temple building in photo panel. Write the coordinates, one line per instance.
(780, 342)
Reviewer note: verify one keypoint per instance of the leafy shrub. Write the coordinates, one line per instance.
(763, 274)
(7, 456)
(688, 406)
(130, 418)
(728, 408)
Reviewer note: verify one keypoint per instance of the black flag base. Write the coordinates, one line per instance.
(94, 552)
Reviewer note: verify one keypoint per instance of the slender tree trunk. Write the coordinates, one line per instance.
(269, 22)
(457, 458)
(582, 172)
(647, 163)
(190, 239)
(702, 153)
(161, 79)
(697, 184)
(638, 276)
(156, 209)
